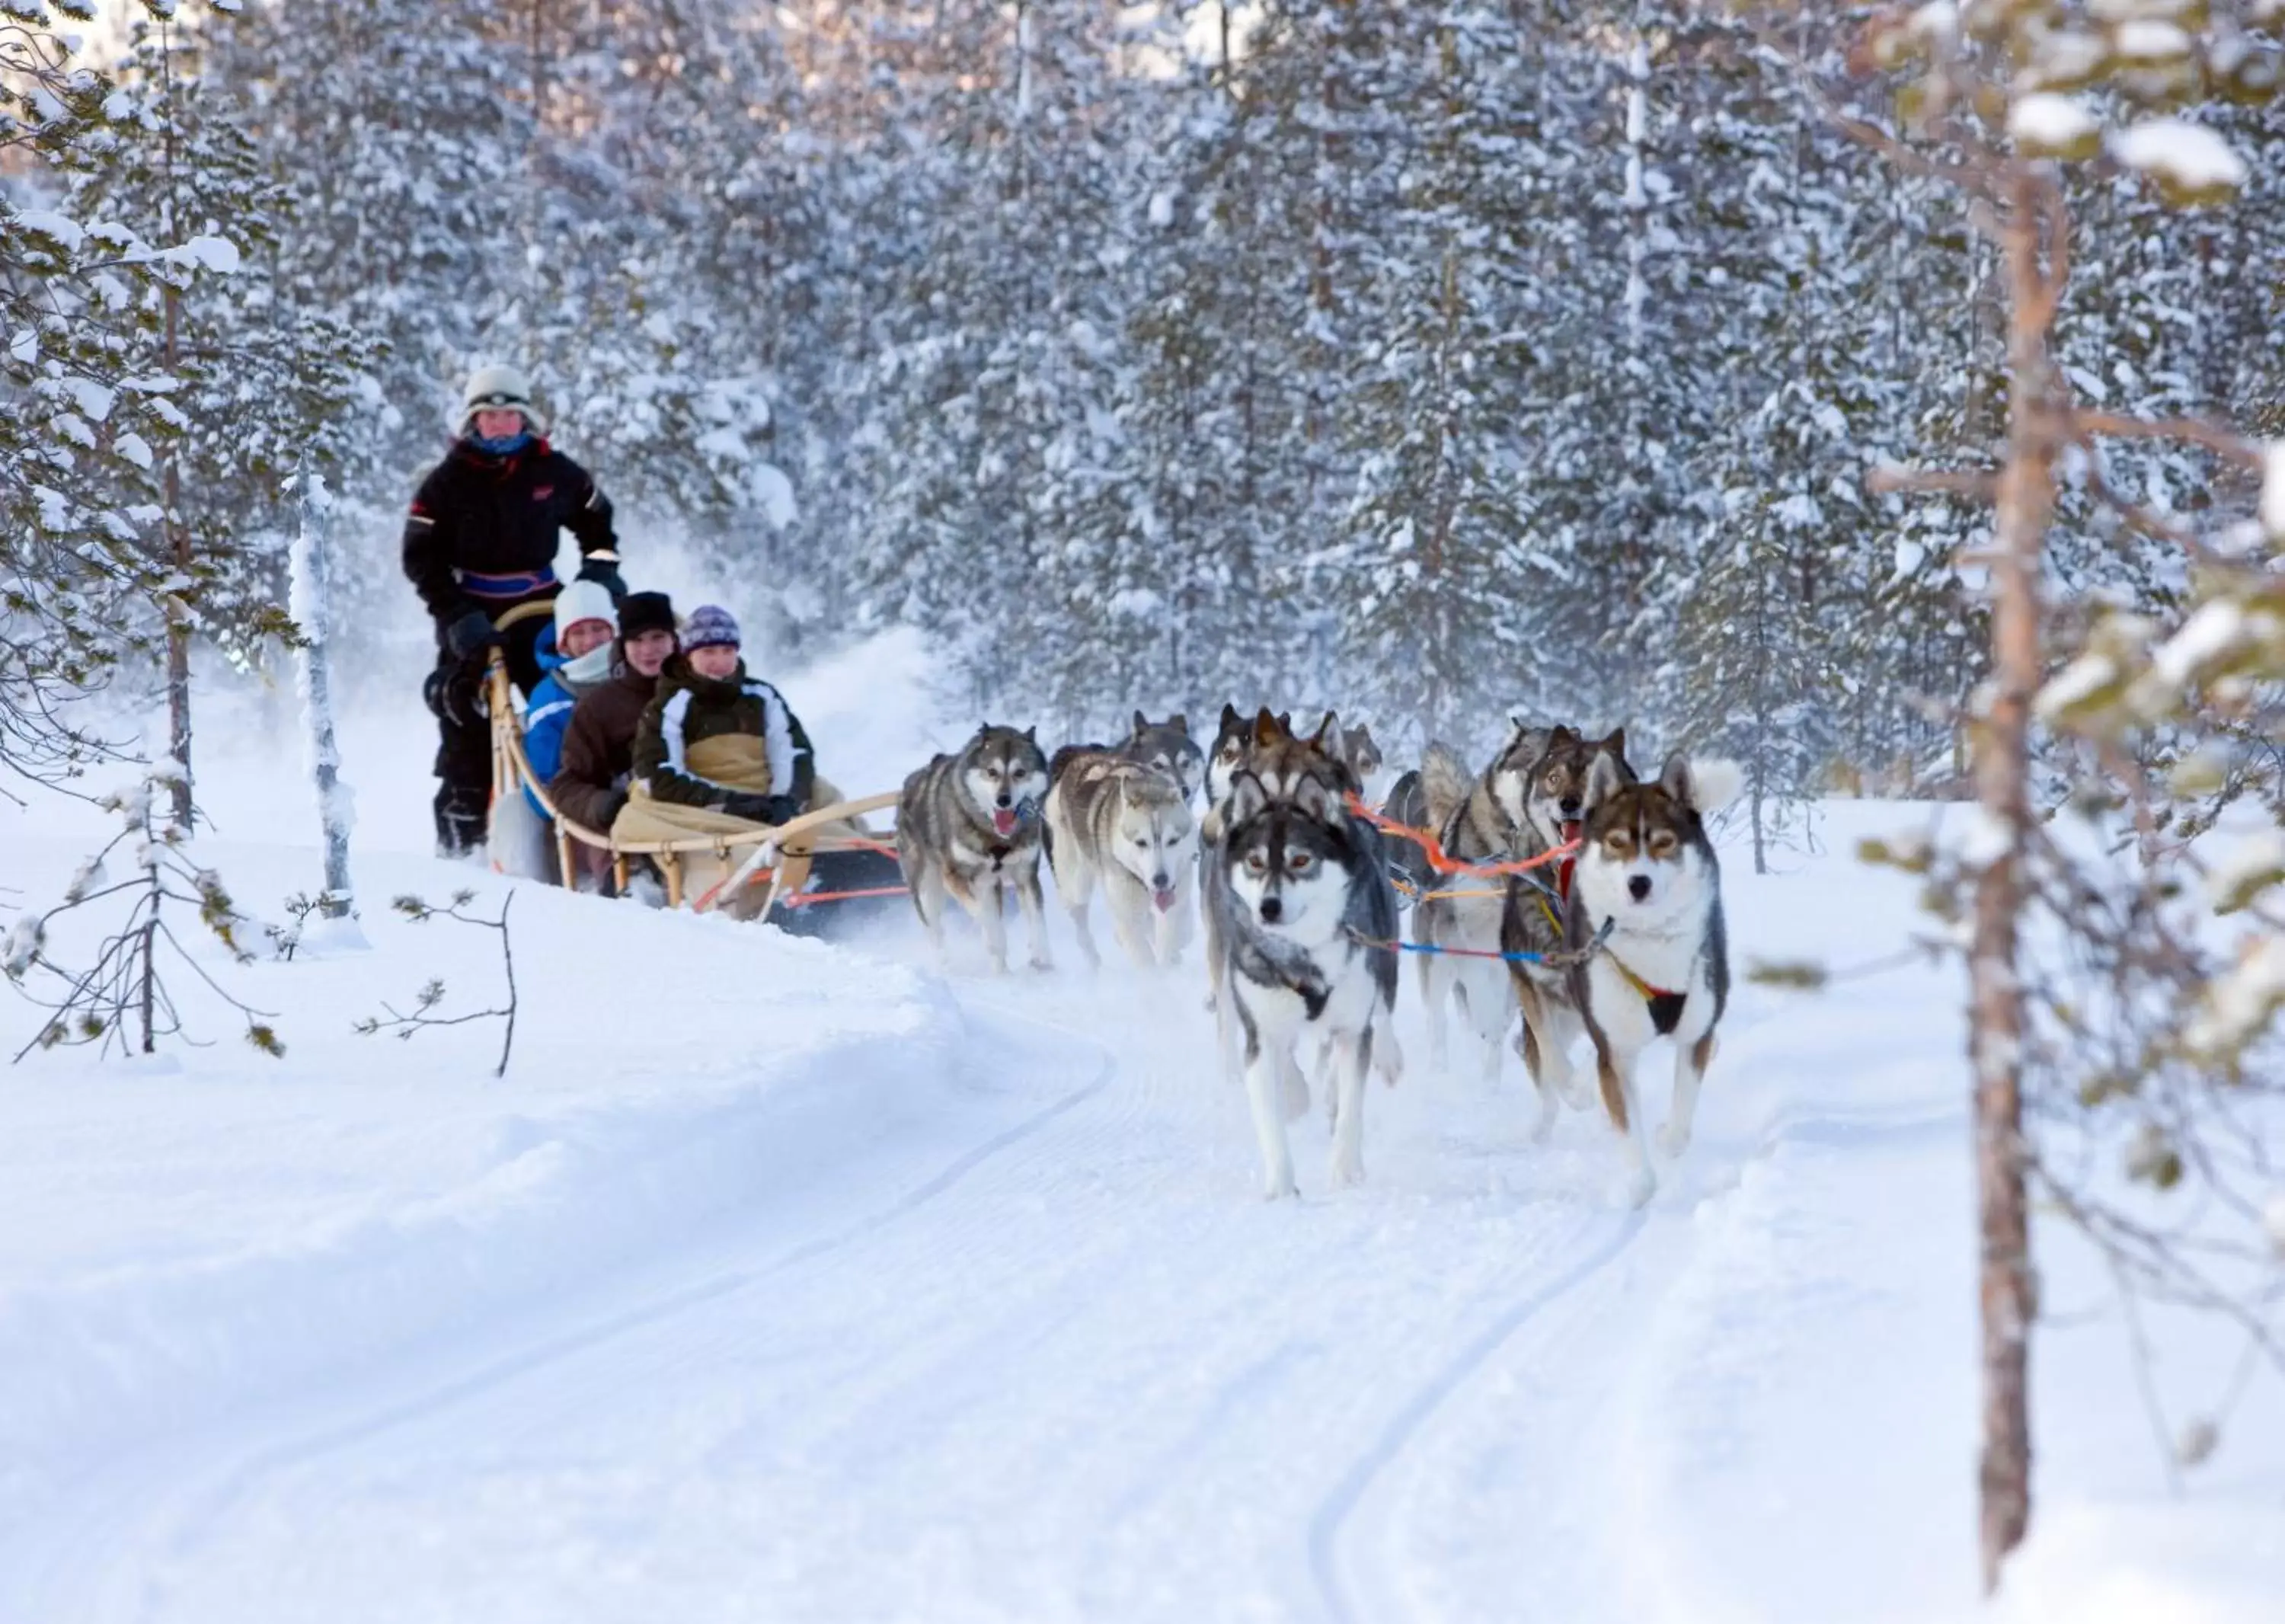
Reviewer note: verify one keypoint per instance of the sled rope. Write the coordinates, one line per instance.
(1442, 862)
(1556, 959)
(802, 899)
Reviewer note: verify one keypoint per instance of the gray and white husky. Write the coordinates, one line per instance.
(1168, 747)
(1304, 905)
(1116, 823)
(1474, 819)
(1548, 804)
(1648, 898)
(968, 827)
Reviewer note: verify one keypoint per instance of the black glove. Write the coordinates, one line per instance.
(762, 808)
(608, 809)
(471, 635)
(603, 568)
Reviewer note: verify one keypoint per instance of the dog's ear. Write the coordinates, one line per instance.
(1229, 716)
(1268, 730)
(1616, 744)
(1181, 723)
(1033, 732)
(1248, 796)
(1314, 801)
(1141, 722)
(1603, 783)
(1328, 736)
(1559, 737)
(1704, 787)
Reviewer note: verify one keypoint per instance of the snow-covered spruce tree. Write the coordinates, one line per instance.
(2077, 963)
(258, 384)
(87, 582)
(1423, 572)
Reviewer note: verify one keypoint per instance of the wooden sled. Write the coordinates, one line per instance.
(779, 855)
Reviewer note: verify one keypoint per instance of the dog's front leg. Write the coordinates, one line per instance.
(1033, 902)
(1075, 884)
(1691, 1060)
(1349, 1060)
(1129, 903)
(1265, 1072)
(1615, 1071)
(982, 898)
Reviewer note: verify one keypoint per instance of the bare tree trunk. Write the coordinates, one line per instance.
(1997, 1030)
(179, 619)
(313, 610)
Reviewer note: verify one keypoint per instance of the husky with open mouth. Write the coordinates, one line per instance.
(1116, 823)
(969, 827)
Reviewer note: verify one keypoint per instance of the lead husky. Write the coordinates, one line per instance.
(1299, 887)
(968, 827)
(1649, 892)
(1127, 826)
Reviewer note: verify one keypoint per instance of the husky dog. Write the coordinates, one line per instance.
(968, 825)
(1125, 826)
(1648, 899)
(1362, 756)
(1512, 809)
(1298, 887)
(1233, 744)
(1546, 804)
(1269, 751)
(1168, 747)
(1407, 859)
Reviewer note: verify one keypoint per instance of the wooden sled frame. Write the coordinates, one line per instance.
(784, 850)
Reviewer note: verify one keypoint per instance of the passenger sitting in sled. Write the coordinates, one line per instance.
(720, 752)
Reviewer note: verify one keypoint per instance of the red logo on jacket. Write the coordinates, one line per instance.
(540, 493)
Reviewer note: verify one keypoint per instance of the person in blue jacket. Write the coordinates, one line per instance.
(574, 653)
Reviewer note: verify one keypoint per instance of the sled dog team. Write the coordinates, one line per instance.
(1557, 885)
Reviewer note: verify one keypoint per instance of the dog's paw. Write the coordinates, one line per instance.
(1279, 1189)
(1041, 962)
(1349, 1173)
(1673, 1140)
(1637, 1187)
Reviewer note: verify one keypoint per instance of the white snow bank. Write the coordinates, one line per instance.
(2190, 1563)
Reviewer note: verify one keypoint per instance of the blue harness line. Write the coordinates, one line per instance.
(520, 584)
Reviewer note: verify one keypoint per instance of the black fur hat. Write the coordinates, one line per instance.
(641, 612)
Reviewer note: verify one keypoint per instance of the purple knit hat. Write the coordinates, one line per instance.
(710, 625)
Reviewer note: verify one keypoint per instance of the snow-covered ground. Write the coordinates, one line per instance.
(788, 1281)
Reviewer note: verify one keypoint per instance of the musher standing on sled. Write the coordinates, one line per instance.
(482, 539)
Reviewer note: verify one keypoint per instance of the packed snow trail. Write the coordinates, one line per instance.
(1036, 1351)
(783, 1280)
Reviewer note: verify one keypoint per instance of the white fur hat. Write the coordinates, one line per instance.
(493, 387)
(585, 600)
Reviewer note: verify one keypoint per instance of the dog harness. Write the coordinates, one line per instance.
(1665, 1003)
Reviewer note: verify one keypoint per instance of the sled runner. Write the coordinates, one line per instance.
(717, 868)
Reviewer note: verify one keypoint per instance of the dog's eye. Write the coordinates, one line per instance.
(1552, 783)
(1662, 844)
(1300, 862)
(1620, 845)
(1256, 862)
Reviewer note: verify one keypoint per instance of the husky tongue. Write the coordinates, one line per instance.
(1571, 832)
(1003, 820)
(1163, 900)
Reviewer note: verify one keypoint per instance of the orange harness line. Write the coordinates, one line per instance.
(1443, 862)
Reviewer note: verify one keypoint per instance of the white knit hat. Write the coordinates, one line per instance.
(585, 600)
(493, 387)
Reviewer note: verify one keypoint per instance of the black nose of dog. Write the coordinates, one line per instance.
(1003, 799)
(1161, 882)
(1570, 810)
(1272, 910)
(1638, 887)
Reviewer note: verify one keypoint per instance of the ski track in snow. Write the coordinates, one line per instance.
(1023, 1342)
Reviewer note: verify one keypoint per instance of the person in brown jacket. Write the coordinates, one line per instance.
(599, 748)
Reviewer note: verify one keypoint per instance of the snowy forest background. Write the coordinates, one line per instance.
(1434, 360)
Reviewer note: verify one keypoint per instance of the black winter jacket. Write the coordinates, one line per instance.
(497, 516)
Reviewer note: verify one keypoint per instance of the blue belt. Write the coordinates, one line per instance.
(522, 584)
